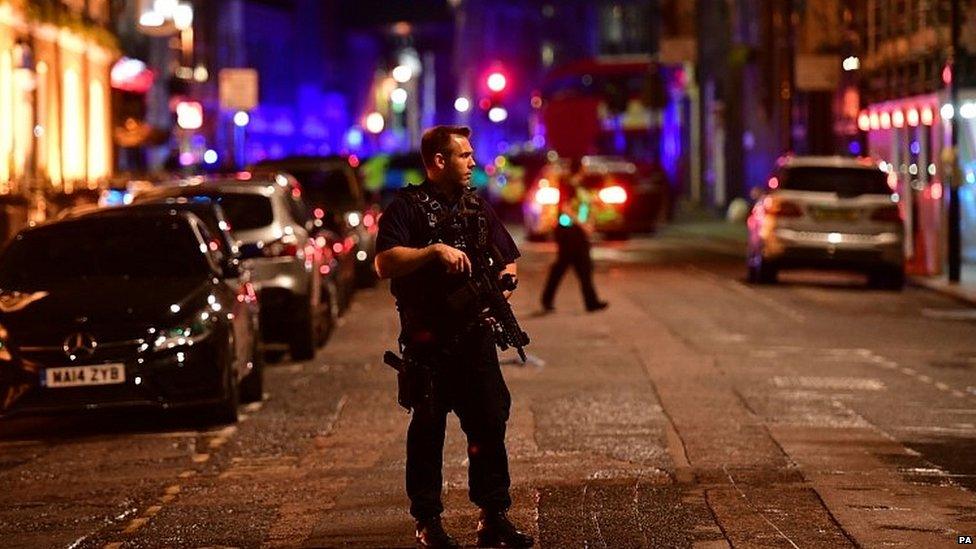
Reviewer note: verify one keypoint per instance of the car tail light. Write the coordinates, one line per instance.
(891, 214)
(547, 195)
(614, 194)
(781, 208)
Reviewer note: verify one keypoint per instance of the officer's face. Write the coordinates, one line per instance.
(458, 163)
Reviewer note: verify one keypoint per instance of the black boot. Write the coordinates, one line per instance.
(495, 530)
(430, 533)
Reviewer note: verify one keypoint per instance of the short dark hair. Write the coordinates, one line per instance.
(437, 139)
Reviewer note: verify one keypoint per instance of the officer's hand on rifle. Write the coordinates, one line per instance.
(453, 259)
(508, 280)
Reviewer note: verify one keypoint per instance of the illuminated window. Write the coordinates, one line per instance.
(73, 149)
(97, 151)
(6, 130)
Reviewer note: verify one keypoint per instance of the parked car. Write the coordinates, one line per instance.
(222, 243)
(827, 212)
(278, 239)
(614, 195)
(121, 309)
(332, 188)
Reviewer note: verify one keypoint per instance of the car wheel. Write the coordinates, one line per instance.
(226, 410)
(330, 315)
(892, 279)
(302, 345)
(252, 387)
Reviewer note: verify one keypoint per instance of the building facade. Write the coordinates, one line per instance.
(907, 117)
(55, 113)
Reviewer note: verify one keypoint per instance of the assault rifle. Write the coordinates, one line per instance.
(483, 295)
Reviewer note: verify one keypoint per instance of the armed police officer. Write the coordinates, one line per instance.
(445, 250)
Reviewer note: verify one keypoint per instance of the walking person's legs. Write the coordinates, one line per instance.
(584, 272)
(555, 276)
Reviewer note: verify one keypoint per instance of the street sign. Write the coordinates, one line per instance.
(238, 89)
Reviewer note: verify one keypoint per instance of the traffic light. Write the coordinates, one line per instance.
(496, 81)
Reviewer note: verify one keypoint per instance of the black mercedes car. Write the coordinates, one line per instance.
(124, 309)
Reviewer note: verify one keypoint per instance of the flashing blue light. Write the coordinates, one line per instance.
(565, 220)
(970, 177)
(114, 197)
(354, 137)
(915, 147)
(854, 148)
(210, 157)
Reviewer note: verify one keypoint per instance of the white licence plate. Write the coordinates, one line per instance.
(93, 374)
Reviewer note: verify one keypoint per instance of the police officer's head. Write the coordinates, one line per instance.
(448, 156)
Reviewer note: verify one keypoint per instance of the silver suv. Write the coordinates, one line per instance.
(276, 239)
(827, 212)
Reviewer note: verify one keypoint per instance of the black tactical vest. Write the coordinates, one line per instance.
(463, 226)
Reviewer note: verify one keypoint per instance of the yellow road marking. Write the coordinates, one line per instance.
(134, 525)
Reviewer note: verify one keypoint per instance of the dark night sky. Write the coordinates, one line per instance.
(380, 12)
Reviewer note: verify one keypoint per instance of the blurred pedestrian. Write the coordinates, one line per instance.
(573, 248)
(432, 237)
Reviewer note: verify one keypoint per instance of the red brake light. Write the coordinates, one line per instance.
(890, 214)
(614, 194)
(547, 196)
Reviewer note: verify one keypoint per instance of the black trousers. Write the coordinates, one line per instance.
(583, 265)
(469, 382)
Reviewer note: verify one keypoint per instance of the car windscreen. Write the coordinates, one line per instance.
(327, 188)
(844, 181)
(116, 247)
(205, 211)
(244, 211)
(600, 180)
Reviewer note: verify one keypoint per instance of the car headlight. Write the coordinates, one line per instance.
(186, 334)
